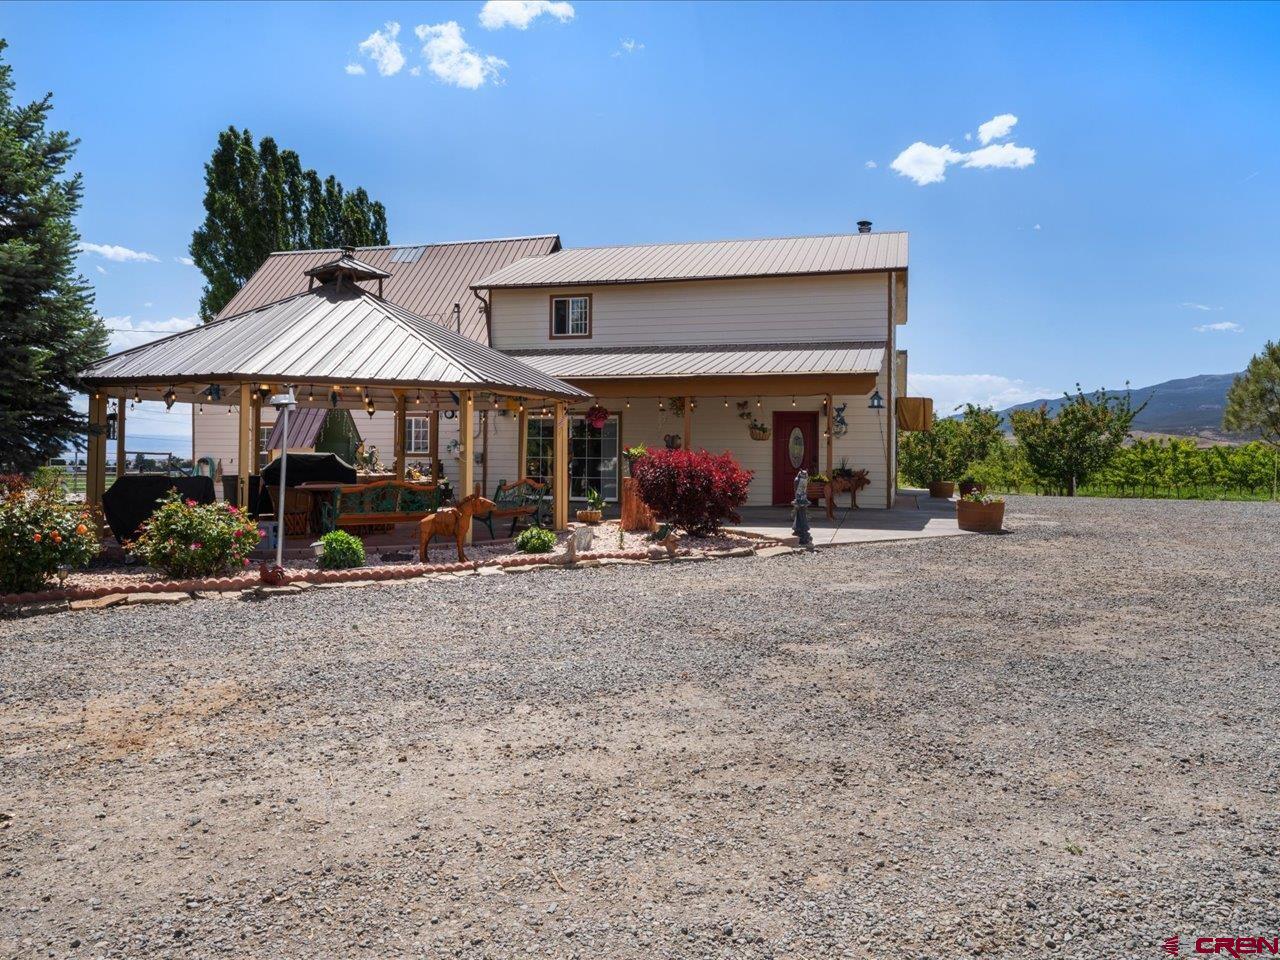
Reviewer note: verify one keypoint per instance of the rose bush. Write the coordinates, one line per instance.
(40, 531)
(185, 539)
(694, 491)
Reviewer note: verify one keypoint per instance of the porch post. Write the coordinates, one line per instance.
(435, 446)
(255, 405)
(244, 445)
(120, 451)
(688, 423)
(522, 443)
(401, 405)
(466, 468)
(96, 451)
(831, 439)
(560, 469)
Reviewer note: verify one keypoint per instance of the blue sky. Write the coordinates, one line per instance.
(1123, 228)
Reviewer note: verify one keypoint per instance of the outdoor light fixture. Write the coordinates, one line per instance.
(793, 401)
(417, 398)
(283, 402)
(628, 403)
(170, 396)
(757, 403)
(877, 402)
(136, 398)
(726, 403)
(200, 409)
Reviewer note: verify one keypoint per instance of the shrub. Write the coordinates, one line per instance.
(535, 540)
(40, 531)
(694, 491)
(186, 539)
(340, 551)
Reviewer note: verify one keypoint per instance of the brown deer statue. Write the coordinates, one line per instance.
(452, 522)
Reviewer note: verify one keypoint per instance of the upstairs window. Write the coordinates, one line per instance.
(571, 316)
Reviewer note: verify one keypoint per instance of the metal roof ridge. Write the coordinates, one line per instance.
(412, 246)
(684, 243)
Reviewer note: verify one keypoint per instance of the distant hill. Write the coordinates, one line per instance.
(1191, 407)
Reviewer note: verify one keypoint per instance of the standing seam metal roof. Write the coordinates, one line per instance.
(712, 360)
(725, 259)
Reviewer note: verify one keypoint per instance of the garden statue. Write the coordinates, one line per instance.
(800, 510)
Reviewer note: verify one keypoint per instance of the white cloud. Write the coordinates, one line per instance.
(384, 50)
(1225, 326)
(997, 128)
(185, 261)
(870, 164)
(125, 332)
(355, 70)
(924, 163)
(1200, 306)
(100, 268)
(119, 254)
(496, 14)
(455, 61)
(627, 46)
(1009, 156)
(950, 390)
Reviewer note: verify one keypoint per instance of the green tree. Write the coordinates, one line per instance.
(979, 435)
(259, 199)
(1253, 401)
(48, 330)
(1066, 448)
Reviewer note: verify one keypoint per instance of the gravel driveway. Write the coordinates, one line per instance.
(1061, 742)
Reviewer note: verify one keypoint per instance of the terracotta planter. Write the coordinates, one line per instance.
(968, 486)
(589, 516)
(980, 517)
(816, 491)
(943, 489)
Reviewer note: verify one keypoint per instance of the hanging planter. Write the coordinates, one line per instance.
(596, 417)
(759, 431)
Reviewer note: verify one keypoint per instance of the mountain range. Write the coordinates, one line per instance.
(1189, 407)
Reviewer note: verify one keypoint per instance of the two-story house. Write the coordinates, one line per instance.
(781, 351)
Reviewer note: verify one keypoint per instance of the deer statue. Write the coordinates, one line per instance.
(452, 522)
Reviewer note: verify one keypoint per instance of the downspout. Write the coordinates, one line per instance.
(488, 317)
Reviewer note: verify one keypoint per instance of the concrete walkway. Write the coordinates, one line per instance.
(916, 515)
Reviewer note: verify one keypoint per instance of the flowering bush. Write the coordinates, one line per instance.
(186, 539)
(340, 550)
(694, 491)
(40, 531)
(535, 540)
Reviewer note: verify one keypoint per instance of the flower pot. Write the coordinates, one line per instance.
(589, 516)
(942, 489)
(969, 486)
(980, 517)
(759, 432)
(817, 492)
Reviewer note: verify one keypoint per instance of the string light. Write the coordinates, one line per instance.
(628, 403)
(311, 394)
(661, 408)
(726, 403)
(793, 401)
(136, 398)
(417, 397)
(757, 403)
(200, 409)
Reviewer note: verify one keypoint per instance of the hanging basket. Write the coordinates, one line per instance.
(759, 431)
(596, 417)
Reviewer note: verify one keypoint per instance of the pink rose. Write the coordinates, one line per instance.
(238, 534)
(245, 561)
(191, 503)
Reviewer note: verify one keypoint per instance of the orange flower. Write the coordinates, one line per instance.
(37, 538)
(82, 529)
(57, 537)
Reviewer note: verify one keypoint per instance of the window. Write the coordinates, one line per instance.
(417, 436)
(593, 455)
(571, 316)
(264, 434)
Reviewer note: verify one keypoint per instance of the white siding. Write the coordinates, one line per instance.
(770, 310)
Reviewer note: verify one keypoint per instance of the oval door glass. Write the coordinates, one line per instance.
(795, 448)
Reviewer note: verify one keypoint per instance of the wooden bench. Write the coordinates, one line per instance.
(373, 507)
(523, 498)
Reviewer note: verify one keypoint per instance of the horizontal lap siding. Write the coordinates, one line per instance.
(804, 309)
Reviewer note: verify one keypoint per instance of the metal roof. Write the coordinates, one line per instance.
(329, 334)
(726, 259)
(304, 427)
(427, 280)
(737, 360)
(349, 265)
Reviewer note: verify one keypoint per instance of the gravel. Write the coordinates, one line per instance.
(1058, 742)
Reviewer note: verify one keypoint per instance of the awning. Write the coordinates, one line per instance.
(765, 359)
(304, 427)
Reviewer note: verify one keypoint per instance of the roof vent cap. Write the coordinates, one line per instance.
(864, 226)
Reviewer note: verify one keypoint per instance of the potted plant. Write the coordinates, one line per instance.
(817, 489)
(631, 455)
(980, 513)
(595, 507)
(968, 485)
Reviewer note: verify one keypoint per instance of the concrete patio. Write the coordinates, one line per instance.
(915, 516)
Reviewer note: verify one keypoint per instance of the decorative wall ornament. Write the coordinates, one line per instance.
(676, 405)
(841, 425)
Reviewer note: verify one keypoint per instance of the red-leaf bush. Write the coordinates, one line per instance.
(694, 491)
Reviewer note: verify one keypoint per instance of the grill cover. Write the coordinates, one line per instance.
(132, 499)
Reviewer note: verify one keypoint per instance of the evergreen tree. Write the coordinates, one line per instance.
(48, 330)
(259, 199)
(1253, 402)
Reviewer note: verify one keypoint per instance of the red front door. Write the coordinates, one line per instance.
(795, 448)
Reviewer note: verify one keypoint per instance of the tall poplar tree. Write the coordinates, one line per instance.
(48, 330)
(259, 199)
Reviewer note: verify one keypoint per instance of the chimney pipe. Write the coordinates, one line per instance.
(864, 226)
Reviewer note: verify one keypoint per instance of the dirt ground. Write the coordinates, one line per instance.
(1057, 742)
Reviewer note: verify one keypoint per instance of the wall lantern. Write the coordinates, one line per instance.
(877, 402)
(170, 397)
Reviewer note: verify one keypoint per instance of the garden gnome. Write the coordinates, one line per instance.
(800, 510)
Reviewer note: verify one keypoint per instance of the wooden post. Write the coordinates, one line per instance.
(831, 437)
(484, 451)
(400, 427)
(435, 446)
(96, 451)
(560, 468)
(466, 468)
(255, 405)
(245, 450)
(120, 451)
(688, 423)
(522, 443)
